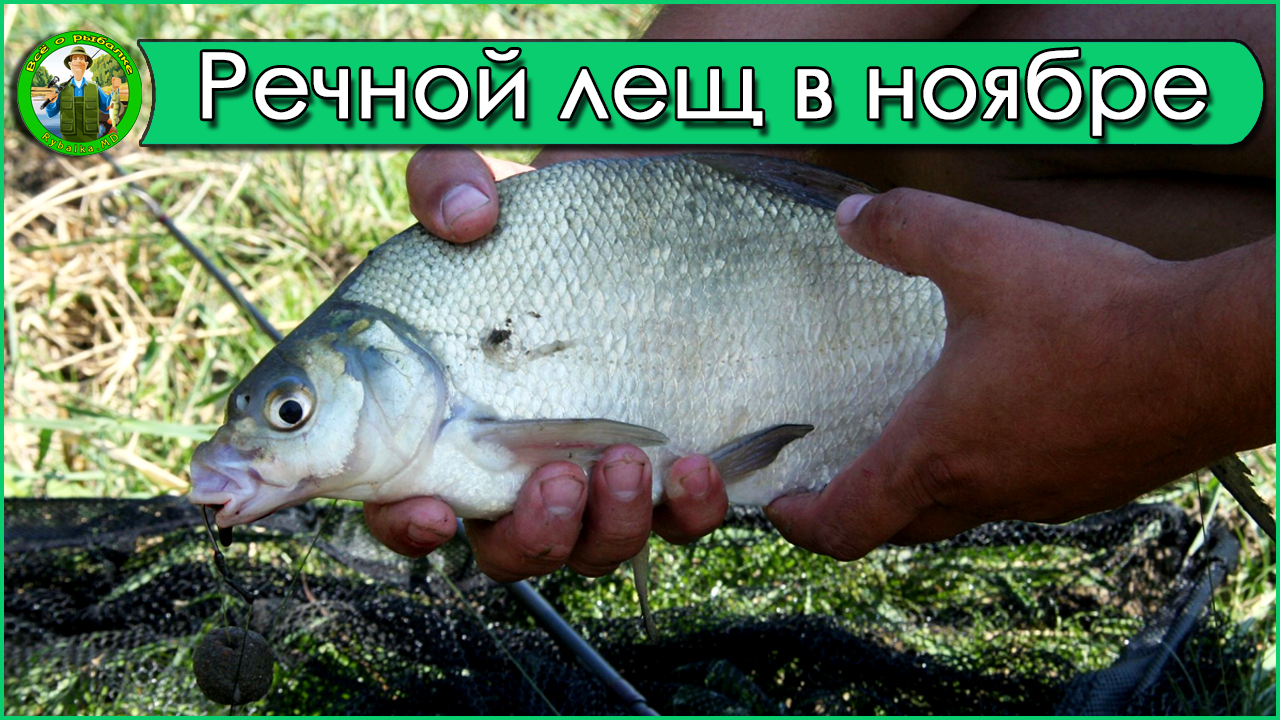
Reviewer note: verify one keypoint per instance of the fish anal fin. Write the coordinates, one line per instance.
(640, 573)
(746, 454)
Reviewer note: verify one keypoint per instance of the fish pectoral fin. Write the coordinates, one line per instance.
(640, 573)
(576, 439)
(749, 453)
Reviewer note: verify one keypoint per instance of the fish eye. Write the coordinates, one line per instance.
(288, 407)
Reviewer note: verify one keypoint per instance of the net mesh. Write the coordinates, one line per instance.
(105, 601)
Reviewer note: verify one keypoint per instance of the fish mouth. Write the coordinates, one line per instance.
(223, 480)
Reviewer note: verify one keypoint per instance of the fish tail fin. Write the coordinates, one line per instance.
(640, 573)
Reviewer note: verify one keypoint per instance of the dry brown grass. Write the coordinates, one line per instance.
(118, 348)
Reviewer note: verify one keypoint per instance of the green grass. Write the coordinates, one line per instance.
(120, 351)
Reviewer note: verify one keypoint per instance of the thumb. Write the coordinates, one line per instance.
(859, 510)
(452, 193)
(921, 233)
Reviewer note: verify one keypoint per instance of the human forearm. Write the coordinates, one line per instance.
(1228, 301)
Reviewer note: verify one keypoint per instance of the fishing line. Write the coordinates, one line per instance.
(220, 562)
(221, 573)
(530, 598)
(293, 582)
(462, 599)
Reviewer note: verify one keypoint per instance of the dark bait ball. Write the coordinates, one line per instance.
(224, 653)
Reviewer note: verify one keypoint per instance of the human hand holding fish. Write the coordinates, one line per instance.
(1077, 374)
(452, 193)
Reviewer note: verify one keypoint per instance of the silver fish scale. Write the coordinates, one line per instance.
(668, 294)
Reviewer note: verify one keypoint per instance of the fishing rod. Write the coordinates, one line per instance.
(56, 85)
(154, 206)
(524, 593)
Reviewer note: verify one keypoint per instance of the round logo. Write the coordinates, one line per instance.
(79, 92)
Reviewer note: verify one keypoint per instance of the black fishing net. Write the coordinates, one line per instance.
(105, 602)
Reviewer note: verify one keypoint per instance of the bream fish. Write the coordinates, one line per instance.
(696, 303)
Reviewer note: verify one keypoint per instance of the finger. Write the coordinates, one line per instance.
(616, 523)
(920, 233)
(696, 501)
(859, 510)
(412, 527)
(452, 193)
(539, 534)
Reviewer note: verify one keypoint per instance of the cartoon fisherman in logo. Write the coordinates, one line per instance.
(79, 114)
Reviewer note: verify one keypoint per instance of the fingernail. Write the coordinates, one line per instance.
(461, 200)
(561, 495)
(421, 534)
(426, 530)
(850, 207)
(624, 477)
(695, 482)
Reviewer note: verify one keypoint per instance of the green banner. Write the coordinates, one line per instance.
(734, 92)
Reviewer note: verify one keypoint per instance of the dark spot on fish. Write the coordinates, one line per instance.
(534, 315)
(508, 322)
(497, 337)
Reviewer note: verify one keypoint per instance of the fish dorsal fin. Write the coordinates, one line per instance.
(809, 184)
(572, 439)
(749, 453)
